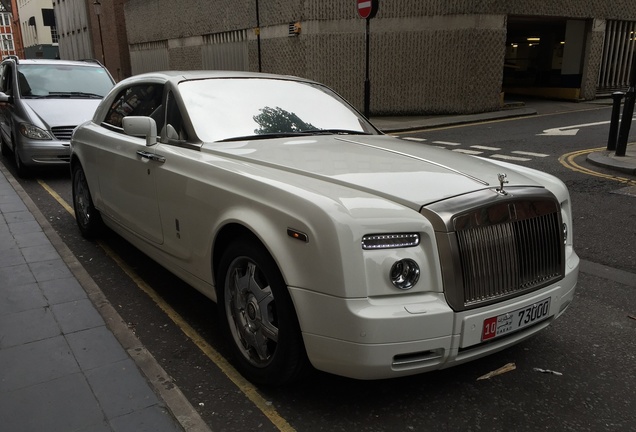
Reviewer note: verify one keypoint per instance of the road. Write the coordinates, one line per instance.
(591, 348)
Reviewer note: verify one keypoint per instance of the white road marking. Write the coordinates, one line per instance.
(513, 158)
(415, 139)
(570, 130)
(485, 148)
(542, 155)
(466, 151)
(446, 143)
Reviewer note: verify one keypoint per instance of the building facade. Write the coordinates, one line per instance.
(431, 56)
(38, 28)
(94, 29)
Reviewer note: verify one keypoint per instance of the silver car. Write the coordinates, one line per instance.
(41, 103)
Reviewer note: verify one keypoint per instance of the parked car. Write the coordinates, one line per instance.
(322, 240)
(41, 102)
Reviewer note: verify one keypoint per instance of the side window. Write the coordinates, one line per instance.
(5, 80)
(175, 129)
(138, 100)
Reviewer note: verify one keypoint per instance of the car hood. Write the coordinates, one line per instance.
(62, 112)
(411, 173)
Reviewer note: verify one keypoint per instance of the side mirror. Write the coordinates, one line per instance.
(141, 127)
(5, 98)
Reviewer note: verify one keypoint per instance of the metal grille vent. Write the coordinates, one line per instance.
(509, 258)
(63, 133)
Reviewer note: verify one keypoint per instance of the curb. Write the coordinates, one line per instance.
(404, 124)
(606, 159)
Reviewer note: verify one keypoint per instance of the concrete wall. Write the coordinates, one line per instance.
(437, 56)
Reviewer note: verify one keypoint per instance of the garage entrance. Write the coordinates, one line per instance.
(544, 57)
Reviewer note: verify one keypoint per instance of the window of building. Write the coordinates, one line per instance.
(7, 42)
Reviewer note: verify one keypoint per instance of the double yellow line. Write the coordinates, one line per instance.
(567, 160)
(233, 375)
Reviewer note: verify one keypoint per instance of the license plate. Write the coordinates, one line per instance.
(505, 323)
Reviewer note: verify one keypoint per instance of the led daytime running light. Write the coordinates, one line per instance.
(390, 241)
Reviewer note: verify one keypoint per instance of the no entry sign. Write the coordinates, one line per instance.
(367, 8)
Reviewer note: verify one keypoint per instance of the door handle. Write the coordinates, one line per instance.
(152, 156)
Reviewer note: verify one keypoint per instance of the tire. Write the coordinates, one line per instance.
(87, 216)
(21, 169)
(4, 148)
(258, 317)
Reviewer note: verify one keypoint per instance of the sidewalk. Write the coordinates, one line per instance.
(61, 367)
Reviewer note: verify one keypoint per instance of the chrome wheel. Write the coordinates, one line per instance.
(81, 198)
(258, 315)
(86, 215)
(251, 311)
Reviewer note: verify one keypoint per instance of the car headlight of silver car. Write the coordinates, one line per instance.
(33, 132)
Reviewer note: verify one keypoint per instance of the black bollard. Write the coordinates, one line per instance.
(616, 112)
(628, 112)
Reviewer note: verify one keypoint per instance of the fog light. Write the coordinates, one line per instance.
(405, 274)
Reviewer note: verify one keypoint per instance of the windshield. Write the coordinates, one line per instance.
(252, 108)
(53, 81)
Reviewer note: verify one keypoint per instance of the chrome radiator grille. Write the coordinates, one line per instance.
(495, 247)
(510, 257)
(63, 133)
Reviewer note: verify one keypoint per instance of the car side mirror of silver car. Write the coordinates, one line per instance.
(141, 127)
(5, 98)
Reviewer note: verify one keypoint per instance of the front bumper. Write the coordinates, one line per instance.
(385, 338)
(40, 153)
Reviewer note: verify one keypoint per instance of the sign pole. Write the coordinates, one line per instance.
(367, 80)
(367, 10)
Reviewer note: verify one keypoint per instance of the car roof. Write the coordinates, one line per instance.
(87, 62)
(178, 76)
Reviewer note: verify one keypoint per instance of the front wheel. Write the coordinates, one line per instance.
(87, 216)
(258, 316)
(21, 169)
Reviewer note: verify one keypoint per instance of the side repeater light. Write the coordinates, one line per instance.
(390, 241)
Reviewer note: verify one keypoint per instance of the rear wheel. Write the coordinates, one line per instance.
(258, 316)
(87, 216)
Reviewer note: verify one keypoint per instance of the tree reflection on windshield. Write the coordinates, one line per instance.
(278, 120)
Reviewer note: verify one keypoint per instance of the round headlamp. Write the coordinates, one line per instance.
(404, 274)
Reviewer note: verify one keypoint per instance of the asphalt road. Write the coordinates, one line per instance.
(592, 347)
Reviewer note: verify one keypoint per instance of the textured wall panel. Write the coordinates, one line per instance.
(427, 56)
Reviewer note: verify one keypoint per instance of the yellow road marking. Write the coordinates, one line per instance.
(567, 160)
(243, 385)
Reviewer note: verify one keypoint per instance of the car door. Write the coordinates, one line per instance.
(6, 108)
(126, 165)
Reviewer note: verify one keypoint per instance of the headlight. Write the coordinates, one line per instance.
(34, 132)
(404, 274)
(390, 241)
(565, 233)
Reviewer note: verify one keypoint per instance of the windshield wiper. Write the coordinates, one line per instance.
(74, 94)
(266, 136)
(335, 132)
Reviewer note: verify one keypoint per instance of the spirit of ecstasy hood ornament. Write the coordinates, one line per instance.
(502, 180)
